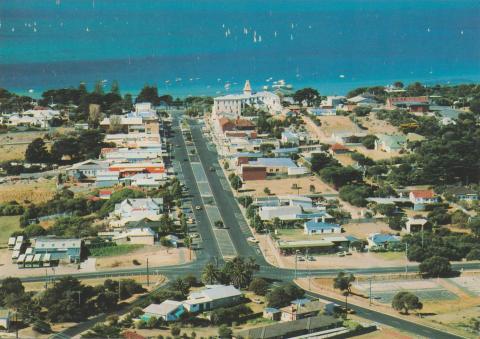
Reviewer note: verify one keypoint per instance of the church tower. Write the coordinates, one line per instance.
(247, 89)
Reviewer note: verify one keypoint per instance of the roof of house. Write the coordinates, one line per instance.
(417, 221)
(410, 100)
(285, 150)
(379, 238)
(56, 243)
(215, 292)
(271, 310)
(274, 162)
(301, 307)
(318, 225)
(426, 194)
(282, 329)
(338, 147)
(164, 308)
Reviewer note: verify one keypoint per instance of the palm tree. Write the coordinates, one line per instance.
(210, 274)
(180, 285)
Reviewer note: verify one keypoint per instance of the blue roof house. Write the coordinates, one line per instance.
(313, 227)
(382, 240)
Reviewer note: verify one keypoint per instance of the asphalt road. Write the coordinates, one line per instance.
(209, 251)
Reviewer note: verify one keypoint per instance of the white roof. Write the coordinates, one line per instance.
(11, 241)
(21, 258)
(215, 292)
(163, 309)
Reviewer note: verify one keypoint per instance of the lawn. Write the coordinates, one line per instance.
(26, 191)
(114, 250)
(391, 255)
(8, 225)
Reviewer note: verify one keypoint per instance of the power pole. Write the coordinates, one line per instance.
(46, 279)
(296, 252)
(148, 275)
(119, 293)
(406, 259)
(370, 293)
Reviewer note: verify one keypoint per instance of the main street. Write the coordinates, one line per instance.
(209, 250)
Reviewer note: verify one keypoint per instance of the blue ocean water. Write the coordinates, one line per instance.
(198, 46)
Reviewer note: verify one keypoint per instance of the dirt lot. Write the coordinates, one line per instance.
(157, 256)
(19, 142)
(24, 191)
(331, 124)
(374, 154)
(284, 186)
(375, 125)
(364, 229)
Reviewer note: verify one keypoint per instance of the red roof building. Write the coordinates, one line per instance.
(339, 149)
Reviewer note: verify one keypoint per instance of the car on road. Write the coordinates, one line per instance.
(311, 258)
(340, 254)
(252, 239)
(185, 159)
(194, 235)
(300, 258)
(198, 207)
(211, 169)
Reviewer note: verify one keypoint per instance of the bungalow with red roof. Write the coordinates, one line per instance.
(420, 198)
(412, 104)
(339, 149)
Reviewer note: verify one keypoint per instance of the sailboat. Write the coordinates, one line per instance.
(275, 34)
(291, 36)
(35, 29)
(259, 38)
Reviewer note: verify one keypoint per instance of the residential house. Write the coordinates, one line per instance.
(297, 328)
(104, 194)
(87, 169)
(333, 101)
(137, 235)
(323, 111)
(248, 173)
(212, 297)
(274, 165)
(382, 240)
(5, 319)
(420, 198)
(137, 209)
(390, 143)
(272, 313)
(301, 310)
(169, 310)
(338, 149)
(290, 137)
(313, 227)
(412, 104)
(363, 100)
(284, 152)
(106, 179)
(462, 193)
(414, 225)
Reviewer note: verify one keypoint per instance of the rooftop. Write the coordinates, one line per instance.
(274, 162)
(164, 308)
(423, 194)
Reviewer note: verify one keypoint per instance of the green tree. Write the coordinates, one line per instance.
(98, 88)
(224, 331)
(475, 106)
(369, 141)
(259, 286)
(245, 200)
(115, 89)
(210, 274)
(267, 191)
(282, 295)
(309, 95)
(175, 331)
(37, 152)
(435, 266)
(236, 182)
(101, 330)
(474, 226)
(149, 94)
(405, 301)
(343, 282)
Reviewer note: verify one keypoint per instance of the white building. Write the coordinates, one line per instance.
(232, 105)
(213, 296)
(137, 209)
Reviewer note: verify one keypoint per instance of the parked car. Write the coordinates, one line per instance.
(311, 258)
(252, 239)
(300, 258)
(198, 207)
(341, 254)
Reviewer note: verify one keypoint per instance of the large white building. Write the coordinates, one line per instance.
(232, 105)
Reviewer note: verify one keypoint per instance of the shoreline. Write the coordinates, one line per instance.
(337, 87)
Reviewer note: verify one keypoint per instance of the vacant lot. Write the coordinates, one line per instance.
(336, 124)
(376, 126)
(284, 186)
(362, 230)
(157, 256)
(8, 225)
(26, 191)
(109, 251)
(374, 154)
(13, 145)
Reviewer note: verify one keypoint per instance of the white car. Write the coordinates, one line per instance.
(194, 235)
(252, 239)
(198, 207)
